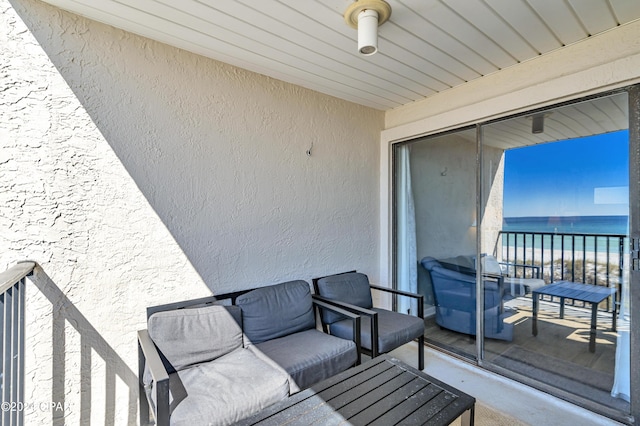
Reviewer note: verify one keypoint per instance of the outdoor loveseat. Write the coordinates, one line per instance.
(219, 359)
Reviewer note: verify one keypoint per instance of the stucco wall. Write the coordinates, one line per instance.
(137, 174)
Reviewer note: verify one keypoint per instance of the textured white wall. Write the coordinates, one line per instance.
(137, 174)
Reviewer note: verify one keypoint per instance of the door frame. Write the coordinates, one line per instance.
(634, 233)
(388, 253)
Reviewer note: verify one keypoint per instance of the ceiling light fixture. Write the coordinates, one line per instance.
(367, 16)
(537, 124)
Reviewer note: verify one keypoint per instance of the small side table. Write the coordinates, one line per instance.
(589, 293)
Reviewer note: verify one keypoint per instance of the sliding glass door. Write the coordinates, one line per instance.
(561, 202)
(519, 234)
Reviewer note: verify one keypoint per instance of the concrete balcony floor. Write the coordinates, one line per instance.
(506, 396)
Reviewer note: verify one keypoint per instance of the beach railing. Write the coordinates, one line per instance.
(596, 259)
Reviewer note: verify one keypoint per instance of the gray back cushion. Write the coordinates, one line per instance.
(276, 311)
(352, 287)
(190, 336)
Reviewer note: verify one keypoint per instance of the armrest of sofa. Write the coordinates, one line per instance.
(149, 358)
(323, 303)
(419, 297)
(356, 310)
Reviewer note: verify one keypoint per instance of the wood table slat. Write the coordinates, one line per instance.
(426, 413)
(382, 392)
(377, 386)
(394, 394)
(287, 414)
(380, 373)
(324, 415)
(446, 415)
(373, 397)
(381, 384)
(408, 403)
(351, 376)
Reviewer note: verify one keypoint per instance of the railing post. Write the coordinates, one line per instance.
(553, 261)
(12, 340)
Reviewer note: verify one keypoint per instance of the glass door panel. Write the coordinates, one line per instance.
(435, 234)
(555, 224)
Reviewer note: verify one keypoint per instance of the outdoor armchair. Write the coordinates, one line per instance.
(382, 330)
(454, 293)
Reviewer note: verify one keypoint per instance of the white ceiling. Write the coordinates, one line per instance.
(427, 46)
(592, 117)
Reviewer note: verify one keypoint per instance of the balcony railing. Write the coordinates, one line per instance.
(596, 259)
(12, 326)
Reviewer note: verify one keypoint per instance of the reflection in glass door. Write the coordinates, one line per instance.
(555, 227)
(435, 234)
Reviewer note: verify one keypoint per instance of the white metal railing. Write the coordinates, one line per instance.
(12, 326)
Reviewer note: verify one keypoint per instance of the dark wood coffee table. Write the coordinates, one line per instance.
(383, 391)
(593, 294)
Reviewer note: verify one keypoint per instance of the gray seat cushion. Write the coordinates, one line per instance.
(309, 356)
(226, 390)
(394, 329)
(351, 287)
(276, 311)
(191, 336)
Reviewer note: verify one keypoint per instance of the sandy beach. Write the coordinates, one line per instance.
(595, 267)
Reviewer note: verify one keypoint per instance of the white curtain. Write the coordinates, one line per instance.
(407, 263)
(622, 374)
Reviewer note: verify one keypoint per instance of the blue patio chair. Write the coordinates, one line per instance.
(455, 299)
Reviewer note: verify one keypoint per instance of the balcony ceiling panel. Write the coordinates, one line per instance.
(595, 15)
(588, 118)
(561, 19)
(426, 47)
(480, 15)
(527, 24)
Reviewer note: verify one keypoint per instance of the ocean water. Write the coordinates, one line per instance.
(609, 225)
(589, 225)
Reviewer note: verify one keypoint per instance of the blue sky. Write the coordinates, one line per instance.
(578, 177)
